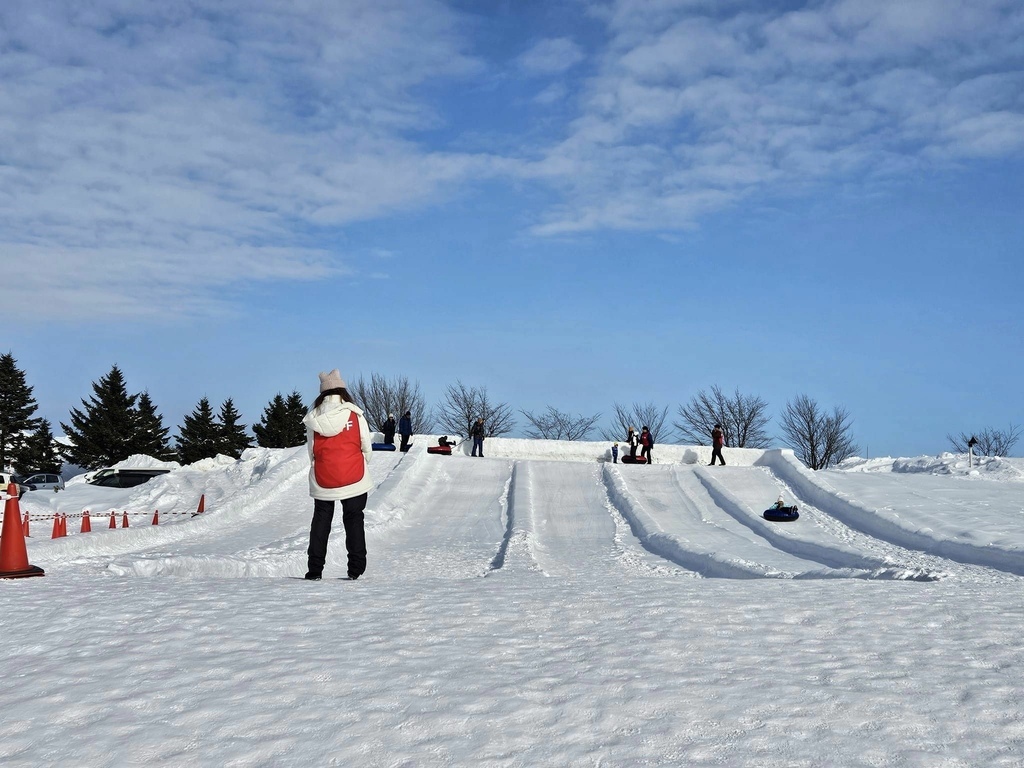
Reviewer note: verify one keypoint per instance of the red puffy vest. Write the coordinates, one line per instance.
(338, 460)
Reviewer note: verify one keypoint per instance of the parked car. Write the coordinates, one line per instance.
(5, 481)
(124, 478)
(44, 481)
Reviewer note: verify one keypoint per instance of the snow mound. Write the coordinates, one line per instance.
(952, 464)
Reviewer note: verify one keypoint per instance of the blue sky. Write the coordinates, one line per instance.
(572, 204)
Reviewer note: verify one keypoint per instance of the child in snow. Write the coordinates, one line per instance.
(615, 453)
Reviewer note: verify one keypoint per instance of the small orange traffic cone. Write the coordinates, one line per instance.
(63, 524)
(56, 527)
(24, 525)
(156, 517)
(86, 523)
(13, 554)
(124, 520)
(202, 506)
(113, 520)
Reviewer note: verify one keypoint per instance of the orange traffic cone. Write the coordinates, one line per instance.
(113, 520)
(63, 524)
(202, 506)
(156, 517)
(56, 527)
(24, 525)
(86, 523)
(13, 554)
(124, 520)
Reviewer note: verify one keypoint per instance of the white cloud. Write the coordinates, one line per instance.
(551, 56)
(697, 104)
(204, 138)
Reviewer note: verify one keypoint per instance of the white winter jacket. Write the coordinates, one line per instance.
(338, 440)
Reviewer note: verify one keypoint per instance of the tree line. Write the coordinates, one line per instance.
(113, 423)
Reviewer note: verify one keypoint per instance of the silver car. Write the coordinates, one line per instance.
(44, 481)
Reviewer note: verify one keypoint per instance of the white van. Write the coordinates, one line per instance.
(5, 481)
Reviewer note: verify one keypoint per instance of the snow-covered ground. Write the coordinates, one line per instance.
(541, 606)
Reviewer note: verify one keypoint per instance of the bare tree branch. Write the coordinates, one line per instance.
(638, 415)
(743, 419)
(380, 396)
(818, 439)
(555, 425)
(463, 405)
(990, 442)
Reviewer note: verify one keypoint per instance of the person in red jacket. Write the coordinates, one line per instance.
(338, 439)
(717, 441)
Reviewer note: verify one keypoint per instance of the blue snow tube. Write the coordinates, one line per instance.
(383, 446)
(781, 514)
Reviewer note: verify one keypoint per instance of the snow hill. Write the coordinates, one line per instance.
(541, 606)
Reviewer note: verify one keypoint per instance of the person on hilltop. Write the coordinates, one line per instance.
(631, 438)
(647, 443)
(615, 453)
(388, 430)
(717, 441)
(338, 439)
(478, 432)
(405, 430)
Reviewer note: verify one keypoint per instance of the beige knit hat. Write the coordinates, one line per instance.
(331, 380)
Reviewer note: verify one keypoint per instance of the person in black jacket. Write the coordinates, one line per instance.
(388, 430)
(478, 432)
(405, 430)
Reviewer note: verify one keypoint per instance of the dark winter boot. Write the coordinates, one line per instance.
(313, 576)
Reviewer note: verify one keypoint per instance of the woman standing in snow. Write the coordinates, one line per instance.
(339, 445)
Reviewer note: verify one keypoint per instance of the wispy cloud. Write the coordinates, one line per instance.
(139, 143)
(551, 56)
(697, 104)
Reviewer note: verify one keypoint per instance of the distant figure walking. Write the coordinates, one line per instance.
(717, 441)
(405, 430)
(615, 453)
(339, 445)
(388, 429)
(647, 443)
(478, 432)
(631, 438)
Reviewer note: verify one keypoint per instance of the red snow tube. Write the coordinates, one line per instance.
(444, 450)
(627, 459)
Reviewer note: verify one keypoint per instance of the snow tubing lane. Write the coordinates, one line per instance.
(781, 515)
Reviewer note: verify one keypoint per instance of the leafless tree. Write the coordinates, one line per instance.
(818, 439)
(463, 405)
(743, 419)
(990, 442)
(555, 425)
(380, 396)
(638, 415)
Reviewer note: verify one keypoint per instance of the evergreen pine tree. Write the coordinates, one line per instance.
(199, 435)
(17, 407)
(40, 453)
(150, 437)
(281, 425)
(296, 412)
(101, 433)
(233, 437)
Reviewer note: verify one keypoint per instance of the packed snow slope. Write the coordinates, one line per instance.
(570, 511)
(540, 606)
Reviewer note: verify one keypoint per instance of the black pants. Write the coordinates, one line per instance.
(478, 442)
(389, 437)
(355, 536)
(405, 443)
(632, 450)
(645, 452)
(717, 451)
